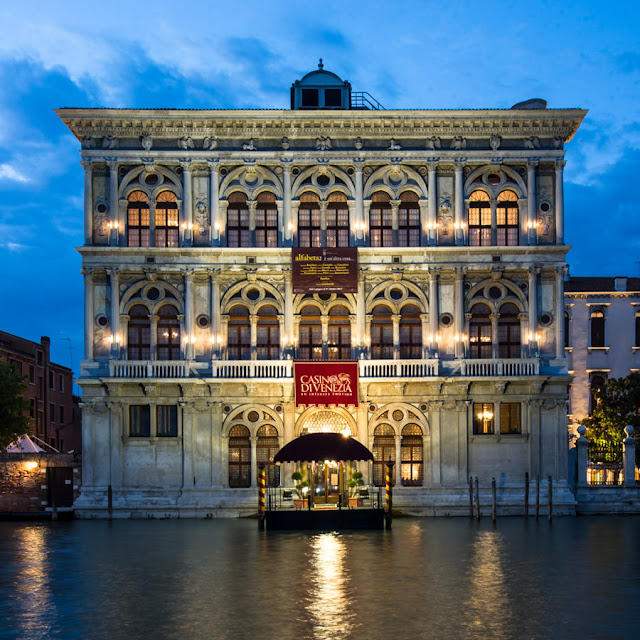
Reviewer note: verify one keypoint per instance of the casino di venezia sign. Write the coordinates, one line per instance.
(324, 383)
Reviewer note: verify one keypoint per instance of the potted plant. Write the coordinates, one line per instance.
(355, 499)
(302, 488)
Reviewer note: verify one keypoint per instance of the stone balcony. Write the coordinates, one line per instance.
(369, 370)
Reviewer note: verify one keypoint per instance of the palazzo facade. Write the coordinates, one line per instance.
(192, 326)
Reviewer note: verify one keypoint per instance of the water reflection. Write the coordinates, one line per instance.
(329, 603)
(489, 609)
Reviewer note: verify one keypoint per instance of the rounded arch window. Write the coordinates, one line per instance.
(479, 219)
(239, 456)
(323, 180)
(381, 333)
(411, 456)
(384, 449)
(480, 337)
(138, 219)
(380, 220)
(267, 220)
(309, 220)
(325, 422)
(509, 331)
(310, 333)
(268, 333)
(166, 220)
(339, 334)
(239, 333)
(139, 333)
(338, 228)
(168, 333)
(410, 332)
(238, 231)
(266, 448)
(507, 219)
(409, 231)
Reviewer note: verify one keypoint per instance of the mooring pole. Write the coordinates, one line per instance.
(477, 500)
(110, 502)
(262, 487)
(526, 494)
(493, 500)
(470, 497)
(388, 488)
(550, 498)
(537, 496)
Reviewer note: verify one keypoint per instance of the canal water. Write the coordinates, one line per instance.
(224, 579)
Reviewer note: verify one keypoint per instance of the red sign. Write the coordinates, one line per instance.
(326, 382)
(324, 270)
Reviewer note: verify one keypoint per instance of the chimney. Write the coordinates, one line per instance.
(620, 283)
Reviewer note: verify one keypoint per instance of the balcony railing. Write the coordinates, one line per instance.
(149, 369)
(504, 367)
(283, 369)
(398, 368)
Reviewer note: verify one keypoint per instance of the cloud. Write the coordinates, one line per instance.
(7, 172)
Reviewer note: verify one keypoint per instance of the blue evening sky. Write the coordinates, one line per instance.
(214, 54)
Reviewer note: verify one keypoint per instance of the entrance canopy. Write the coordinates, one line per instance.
(318, 447)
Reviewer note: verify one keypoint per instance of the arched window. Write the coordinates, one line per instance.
(409, 220)
(411, 456)
(597, 328)
(480, 341)
(509, 332)
(310, 334)
(139, 334)
(166, 219)
(380, 220)
(338, 221)
(507, 221)
(384, 449)
(567, 329)
(238, 233)
(239, 457)
(239, 334)
(266, 448)
(339, 344)
(309, 223)
(381, 333)
(268, 333)
(138, 219)
(479, 219)
(266, 221)
(168, 333)
(410, 332)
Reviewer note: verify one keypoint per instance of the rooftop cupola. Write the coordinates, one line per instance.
(321, 89)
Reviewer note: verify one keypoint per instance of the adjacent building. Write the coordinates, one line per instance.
(602, 336)
(49, 392)
(417, 256)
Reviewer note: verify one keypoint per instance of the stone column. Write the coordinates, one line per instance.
(395, 205)
(424, 325)
(629, 458)
(287, 220)
(532, 227)
(582, 445)
(560, 201)
(532, 339)
(459, 311)
(433, 311)
(324, 319)
(188, 477)
(88, 313)
(224, 330)
(361, 329)
(88, 203)
(114, 233)
(289, 330)
(214, 312)
(252, 206)
(494, 223)
(366, 239)
(187, 208)
(525, 327)
(88, 466)
(188, 312)
(494, 334)
(398, 460)
(114, 277)
(459, 202)
(432, 221)
(253, 328)
(254, 461)
(213, 202)
(154, 336)
(323, 222)
(559, 319)
(359, 213)
(116, 435)
(395, 318)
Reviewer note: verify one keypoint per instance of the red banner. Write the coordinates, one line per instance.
(321, 382)
(329, 270)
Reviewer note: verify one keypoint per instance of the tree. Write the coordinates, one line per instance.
(14, 420)
(617, 405)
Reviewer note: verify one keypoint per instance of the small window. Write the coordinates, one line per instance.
(61, 382)
(332, 97)
(597, 328)
(32, 408)
(32, 374)
(510, 417)
(39, 357)
(52, 381)
(483, 418)
(61, 414)
(167, 418)
(52, 412)
(309, 97)
(139, 421)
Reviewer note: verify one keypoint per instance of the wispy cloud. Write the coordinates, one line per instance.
(7, 172)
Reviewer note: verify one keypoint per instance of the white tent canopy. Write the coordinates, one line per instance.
(24, 445)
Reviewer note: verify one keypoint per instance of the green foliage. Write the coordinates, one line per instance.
(355, 482)
(617, 405)
(14, 422)
(297, 476)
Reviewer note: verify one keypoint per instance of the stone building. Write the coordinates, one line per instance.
(194, 314)
(602, 336)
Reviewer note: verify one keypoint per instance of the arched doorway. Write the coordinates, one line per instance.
(327, 478)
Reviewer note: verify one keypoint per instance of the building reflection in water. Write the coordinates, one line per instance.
(32, 582)
(329, 603)
(488, 604)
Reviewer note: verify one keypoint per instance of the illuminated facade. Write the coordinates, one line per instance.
(192, 325)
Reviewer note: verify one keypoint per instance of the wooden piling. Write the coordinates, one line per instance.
(526, 494)
(493, 500)
(110, 502)
(550, 498)
(470, 497)
(537, 497)
(477, 500)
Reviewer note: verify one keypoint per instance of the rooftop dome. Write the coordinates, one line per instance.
(321, 89)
